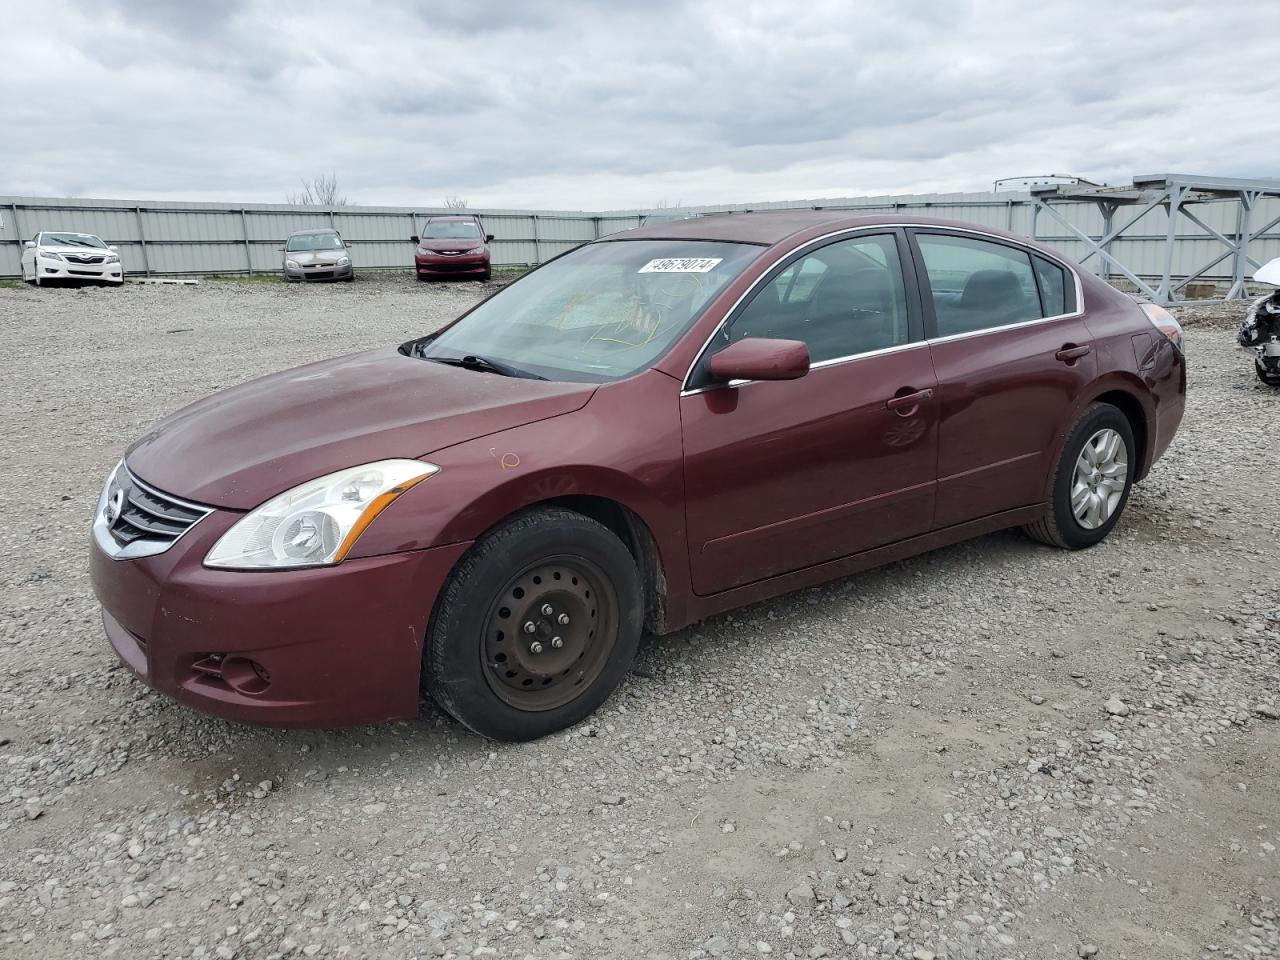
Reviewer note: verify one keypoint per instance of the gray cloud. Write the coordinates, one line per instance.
(581, 104)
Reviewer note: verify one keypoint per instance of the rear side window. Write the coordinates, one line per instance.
(1053, 287)
(977, 285)
(843, 299)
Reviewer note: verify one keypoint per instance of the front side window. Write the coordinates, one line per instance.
(307, 242)
(451, 230)
(601, 312)
(843, 299)
(977, 285)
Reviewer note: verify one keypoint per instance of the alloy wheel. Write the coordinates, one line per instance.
(1101, 475)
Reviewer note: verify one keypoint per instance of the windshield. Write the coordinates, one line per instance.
(69, 240)
(451, 230)
(601, 312)
(314, 241)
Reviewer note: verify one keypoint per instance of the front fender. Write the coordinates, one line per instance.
(623, 446)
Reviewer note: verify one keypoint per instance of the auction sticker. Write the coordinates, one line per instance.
(681, 265)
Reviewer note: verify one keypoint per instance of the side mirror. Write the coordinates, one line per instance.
(114, 249)
(415, 239)
(488, 238)
(760, 358)
(30, 244)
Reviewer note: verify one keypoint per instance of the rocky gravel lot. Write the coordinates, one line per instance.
(994, 750)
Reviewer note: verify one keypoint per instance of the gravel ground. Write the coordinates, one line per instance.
(993, 750)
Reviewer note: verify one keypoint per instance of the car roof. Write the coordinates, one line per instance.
(770, 227)
(299, 233)
(452, 216)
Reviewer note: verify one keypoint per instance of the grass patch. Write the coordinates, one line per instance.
(11, 284)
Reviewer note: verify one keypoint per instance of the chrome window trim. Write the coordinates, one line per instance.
(685, 390)
(143, 547)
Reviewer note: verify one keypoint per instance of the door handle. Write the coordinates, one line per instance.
(905, 405)
(1070, 352)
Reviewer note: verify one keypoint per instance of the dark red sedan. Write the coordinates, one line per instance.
(452, 246)
(648, 430)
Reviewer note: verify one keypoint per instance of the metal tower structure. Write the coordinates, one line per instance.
(1177, 194)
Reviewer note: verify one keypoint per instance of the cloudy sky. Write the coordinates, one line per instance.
(602, 105)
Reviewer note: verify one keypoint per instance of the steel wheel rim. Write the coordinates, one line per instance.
(567, 649)
(1100, 478)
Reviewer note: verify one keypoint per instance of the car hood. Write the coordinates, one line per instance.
(313, 256)
(244, 445)
(95, 251)
(436, 246)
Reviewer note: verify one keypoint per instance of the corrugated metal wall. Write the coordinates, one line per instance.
(168, 238)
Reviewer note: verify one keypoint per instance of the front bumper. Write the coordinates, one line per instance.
(318, 647)
(464, 264)
(320, 271)
(48, 269)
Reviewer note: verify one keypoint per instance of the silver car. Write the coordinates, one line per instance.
(317, 255)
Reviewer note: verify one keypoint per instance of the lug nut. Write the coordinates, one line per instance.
(548, 610)
(563, 619)
(557, 642)
(530, 626)
(535, 647)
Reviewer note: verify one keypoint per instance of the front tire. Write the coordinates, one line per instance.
(536, 626)
(1270, 379)
(1091, 482)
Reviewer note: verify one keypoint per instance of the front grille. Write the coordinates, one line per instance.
(148, 514)
(83, 258)
(86, 273)
(319, 275)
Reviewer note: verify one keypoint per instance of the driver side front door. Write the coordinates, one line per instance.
(783, 475)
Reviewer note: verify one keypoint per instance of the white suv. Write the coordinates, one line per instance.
(70, 256)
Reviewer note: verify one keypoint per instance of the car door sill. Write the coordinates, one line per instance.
(706, 605)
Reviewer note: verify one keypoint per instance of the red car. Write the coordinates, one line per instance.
(452, 246)
(646, 431)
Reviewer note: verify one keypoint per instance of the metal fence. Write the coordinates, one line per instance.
(172, 239)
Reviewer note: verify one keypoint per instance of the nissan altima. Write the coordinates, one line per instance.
(648, 430)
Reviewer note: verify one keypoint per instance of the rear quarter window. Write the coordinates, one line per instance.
(1054, 296)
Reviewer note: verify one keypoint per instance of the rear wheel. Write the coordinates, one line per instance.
(1270, 379)
(1092, 480)
(536, 626)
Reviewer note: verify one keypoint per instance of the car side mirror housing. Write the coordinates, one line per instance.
(488, 238)
(30, 244)
(761, 358)
(114, 249)
(415, 239)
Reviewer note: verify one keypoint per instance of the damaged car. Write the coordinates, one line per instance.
(651, 429)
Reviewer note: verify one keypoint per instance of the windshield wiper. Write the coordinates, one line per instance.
(472, 362)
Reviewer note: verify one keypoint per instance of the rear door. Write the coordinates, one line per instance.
(1012, 354)
(786, 474)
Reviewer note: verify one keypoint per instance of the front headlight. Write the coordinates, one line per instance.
(48, 254)
(291, 264)
(343, 261)
(316, 523)
(113, 258)
(479, 249)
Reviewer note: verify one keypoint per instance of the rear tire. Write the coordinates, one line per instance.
(569, 578)
(1091, 481)
(1270, 379)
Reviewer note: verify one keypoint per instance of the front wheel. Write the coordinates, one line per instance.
(536, 626)
(1092, 480)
